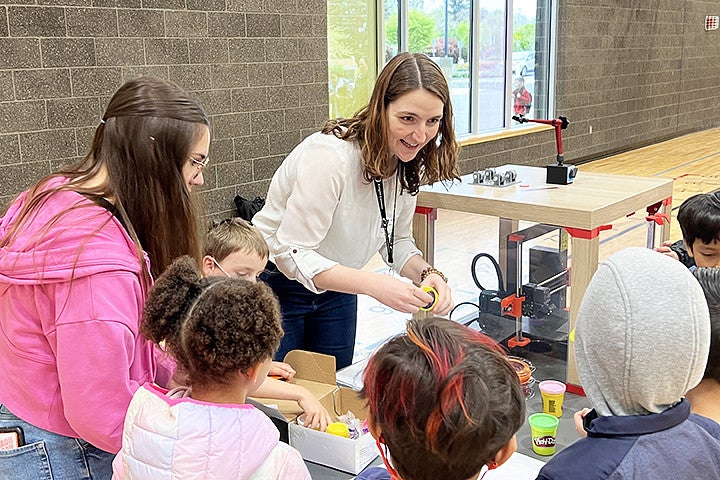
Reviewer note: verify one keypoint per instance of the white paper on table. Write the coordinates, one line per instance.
(518, 467)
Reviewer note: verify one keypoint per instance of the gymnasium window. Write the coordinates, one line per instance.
(482, 46)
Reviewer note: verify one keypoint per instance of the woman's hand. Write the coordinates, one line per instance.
(444, 301)
(316, 417)
(578, 419)
(282, 370)
(398, 294)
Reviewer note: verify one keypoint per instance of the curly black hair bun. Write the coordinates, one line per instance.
(170, 298)
(214, 327)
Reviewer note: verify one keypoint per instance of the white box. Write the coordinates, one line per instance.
(345, 454)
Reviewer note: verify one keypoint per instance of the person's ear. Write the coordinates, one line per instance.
(505, 452)
(253, 372)
(375, 429)
(208, 266)
(688, 248)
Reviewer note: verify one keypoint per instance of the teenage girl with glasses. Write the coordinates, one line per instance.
(78, 252)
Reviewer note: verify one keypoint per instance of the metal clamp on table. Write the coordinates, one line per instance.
(491, 177)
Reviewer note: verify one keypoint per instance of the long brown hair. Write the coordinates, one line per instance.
(437, 161)
(143, 141)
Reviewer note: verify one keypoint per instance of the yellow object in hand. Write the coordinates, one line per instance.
(434, 294)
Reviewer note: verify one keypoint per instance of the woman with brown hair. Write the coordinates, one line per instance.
(348, 192)
(78, 252)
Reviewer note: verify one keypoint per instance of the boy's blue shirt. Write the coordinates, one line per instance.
(374, 473)
(659, 445)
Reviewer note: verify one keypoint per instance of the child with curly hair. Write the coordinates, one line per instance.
(444, 401)
(222, 332)
(234, 248)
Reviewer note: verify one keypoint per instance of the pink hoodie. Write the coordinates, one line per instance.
(70, 304)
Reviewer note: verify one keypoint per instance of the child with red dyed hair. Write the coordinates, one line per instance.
(443, 401)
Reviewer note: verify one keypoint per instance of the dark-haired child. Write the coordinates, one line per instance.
(443, 401)
(699, 220)
(234, 248)
(222, 332)
(705, 398)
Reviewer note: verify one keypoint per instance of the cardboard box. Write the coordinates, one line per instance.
(316, 372)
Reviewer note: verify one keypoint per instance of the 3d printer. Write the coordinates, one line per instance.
(528, 310)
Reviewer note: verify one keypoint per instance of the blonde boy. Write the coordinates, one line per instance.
(235, 248)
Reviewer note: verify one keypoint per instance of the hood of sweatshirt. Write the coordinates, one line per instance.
(68, 237)
(642, 334)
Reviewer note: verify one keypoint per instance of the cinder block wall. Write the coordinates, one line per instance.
(636, 71)
(258, 66)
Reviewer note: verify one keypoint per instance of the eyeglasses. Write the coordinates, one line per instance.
(217, 264)
(200, 164)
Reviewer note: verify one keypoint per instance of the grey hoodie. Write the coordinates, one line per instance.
(642, 334)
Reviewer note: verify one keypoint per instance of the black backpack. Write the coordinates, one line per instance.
(246, 209)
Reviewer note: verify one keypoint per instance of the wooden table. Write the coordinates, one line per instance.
(583, 208)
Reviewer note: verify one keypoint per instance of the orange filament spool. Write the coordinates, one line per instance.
(523, 370)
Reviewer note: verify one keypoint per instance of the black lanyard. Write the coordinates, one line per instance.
(389, 236)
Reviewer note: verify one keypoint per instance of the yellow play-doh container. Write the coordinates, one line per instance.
(338, 428)
(553, 394)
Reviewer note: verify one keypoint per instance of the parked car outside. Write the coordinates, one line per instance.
(523, 63)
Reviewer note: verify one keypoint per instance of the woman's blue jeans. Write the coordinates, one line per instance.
(49, 456)
(324, 323)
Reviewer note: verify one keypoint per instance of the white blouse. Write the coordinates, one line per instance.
(321, 212)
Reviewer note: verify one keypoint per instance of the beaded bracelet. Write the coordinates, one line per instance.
(430, 270)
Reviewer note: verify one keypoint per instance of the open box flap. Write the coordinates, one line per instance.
(314, 371)
(346, 399)
(312, 366)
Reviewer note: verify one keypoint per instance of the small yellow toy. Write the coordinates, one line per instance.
(434, 294)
